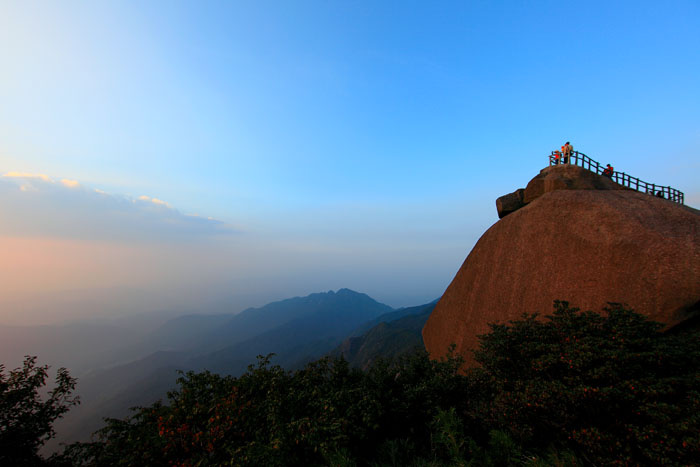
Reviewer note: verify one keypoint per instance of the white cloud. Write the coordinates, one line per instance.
(70, 183)
(28, 176)
(159, 202)
(35, 204)
(43, 177)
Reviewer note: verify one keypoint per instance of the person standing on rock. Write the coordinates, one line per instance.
(564, 160)
(568, 151)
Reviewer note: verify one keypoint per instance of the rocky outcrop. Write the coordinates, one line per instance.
(583, 239)
(510, 202)
(553, 178)
(566, 177)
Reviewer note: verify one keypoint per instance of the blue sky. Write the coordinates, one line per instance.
(349, 144)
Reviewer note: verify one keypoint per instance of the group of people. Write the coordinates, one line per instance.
(567, 151)
(564, 156)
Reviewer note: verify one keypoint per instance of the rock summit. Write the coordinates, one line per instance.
(577, 236)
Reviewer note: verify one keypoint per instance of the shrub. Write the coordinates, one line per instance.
(26, 420)
(610, 386)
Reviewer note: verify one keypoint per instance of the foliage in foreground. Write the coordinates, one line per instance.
(26, 420)
(573, 388)
(611, 387)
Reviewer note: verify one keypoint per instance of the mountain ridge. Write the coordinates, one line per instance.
(308, 328)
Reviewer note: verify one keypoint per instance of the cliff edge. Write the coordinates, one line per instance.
(580, 237)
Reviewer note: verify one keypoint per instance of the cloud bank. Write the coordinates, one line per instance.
(35, 204)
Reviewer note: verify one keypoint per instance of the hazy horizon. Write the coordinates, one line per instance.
(169, 157)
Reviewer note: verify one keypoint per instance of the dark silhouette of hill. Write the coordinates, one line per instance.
(388, 336)
(338, 310)
(303, 339)
(298, 330)
(391, 316)
(201, 332)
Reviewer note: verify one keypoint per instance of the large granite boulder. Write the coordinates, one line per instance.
(510, 202)
(587, 246)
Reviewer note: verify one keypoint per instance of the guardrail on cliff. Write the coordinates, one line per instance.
(582, 160)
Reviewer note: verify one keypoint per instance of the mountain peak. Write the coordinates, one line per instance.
(349, 292)
(579, 239)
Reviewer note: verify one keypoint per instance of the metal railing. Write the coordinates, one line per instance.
(582, 160)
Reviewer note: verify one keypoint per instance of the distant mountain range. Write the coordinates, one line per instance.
(297, 330)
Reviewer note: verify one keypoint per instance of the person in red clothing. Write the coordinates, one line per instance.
(557, 157)
(609, 170)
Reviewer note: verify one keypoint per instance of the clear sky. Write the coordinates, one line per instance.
(193, 152)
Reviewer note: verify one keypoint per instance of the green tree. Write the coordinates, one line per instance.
(611, 387)
(26, 420)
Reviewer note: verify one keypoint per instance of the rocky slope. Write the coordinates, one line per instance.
(580, 237)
